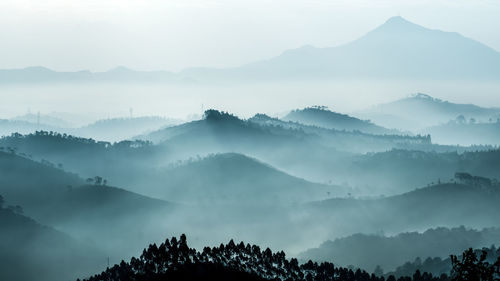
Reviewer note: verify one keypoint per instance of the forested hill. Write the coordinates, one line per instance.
(368, 251)
(322, 117)
(85, 209)
(435, 205)
(53, 195)
(174, 260)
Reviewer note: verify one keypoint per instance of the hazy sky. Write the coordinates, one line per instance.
(174, 34)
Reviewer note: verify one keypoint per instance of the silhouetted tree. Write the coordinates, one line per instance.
(473, 268)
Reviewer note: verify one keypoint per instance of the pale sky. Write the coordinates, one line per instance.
(98, 35)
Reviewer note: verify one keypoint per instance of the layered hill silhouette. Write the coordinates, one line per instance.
(435, 205)
(438, 266)
(466, 132)
(397, 49)
(403, 170)
(52, 194)
(224, 132)
(371, 250)
(421, 110)
(322, 117)
(39, 74)
(236, 179)
(85, 209)
(117, 129)
(110, 130)
(31, 251)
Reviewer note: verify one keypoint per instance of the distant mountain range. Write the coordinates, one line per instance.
(39, 74)
(398, 49)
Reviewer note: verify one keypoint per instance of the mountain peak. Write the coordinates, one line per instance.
(397, 20)
(399, 24)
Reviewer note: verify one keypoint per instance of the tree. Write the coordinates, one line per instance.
(472, 268)
(98, 180)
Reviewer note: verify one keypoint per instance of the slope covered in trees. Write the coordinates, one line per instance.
(448, 205)
(401, 170)
(86, 209)
(369, 251)
(438, 266)
(322, 117)
(174, 260)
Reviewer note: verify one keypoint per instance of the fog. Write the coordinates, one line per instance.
(377, 150)
(90, 102)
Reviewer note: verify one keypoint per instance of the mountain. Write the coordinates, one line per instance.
(236, 179)
(398, 49)
(322, 117)
(31, 251)
(420, 110)
(371, 250)
(40, 74)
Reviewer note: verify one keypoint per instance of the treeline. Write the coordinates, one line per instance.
(16, 139)
(173, 259)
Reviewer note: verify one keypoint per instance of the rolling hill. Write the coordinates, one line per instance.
(428, 207)
(322, 117)
(31, 251)
(235, 179)
(368, 251)
(420, 110)
(94, 212)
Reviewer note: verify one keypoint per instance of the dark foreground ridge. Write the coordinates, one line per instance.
(174, 260)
